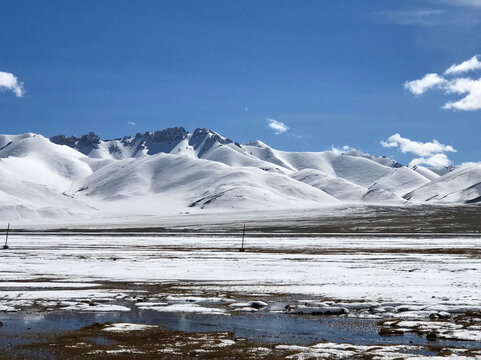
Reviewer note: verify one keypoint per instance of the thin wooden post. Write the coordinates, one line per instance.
(5, 247)
(243, 237)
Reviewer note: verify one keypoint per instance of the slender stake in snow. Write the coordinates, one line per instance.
(6, 237)
(243, 236)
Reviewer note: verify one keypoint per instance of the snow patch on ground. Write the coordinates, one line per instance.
(330, 350)
(122, 327)
(96, 307)
(186, 308)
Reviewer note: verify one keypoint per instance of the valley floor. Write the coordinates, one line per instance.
(385, 291)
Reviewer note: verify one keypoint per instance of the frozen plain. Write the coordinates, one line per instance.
(425, 270)
(421, 283)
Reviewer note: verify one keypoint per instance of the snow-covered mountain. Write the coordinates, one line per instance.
(461, 185)
(172, 171)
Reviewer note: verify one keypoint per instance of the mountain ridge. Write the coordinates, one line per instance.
(173, 171)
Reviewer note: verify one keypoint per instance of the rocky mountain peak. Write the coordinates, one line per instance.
(87, 141)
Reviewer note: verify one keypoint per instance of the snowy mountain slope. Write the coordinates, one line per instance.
(20, 199)
(172, 171)
(209, 145)
(35, 177)
(195, 183)
(263, 152)
(401, 180)
(6, 140)
(379, 159)
(442, 170)
(462, 185)
(427, 173)
(339, 188)
(390, 187)
(34, 158)
(202, 144)
(357, 168)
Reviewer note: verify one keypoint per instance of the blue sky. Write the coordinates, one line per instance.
(333, 72)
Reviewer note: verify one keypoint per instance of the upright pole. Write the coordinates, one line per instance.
(243, 237)
(6, 238)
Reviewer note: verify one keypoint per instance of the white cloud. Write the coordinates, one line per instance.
(429, 81)
(344, 149)
(472, 101)
(278, 126)
(9, 82)
(416, 147)
(435, 160)
(431, 153)
(469, 65)
(131, 123)
(467, 86)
